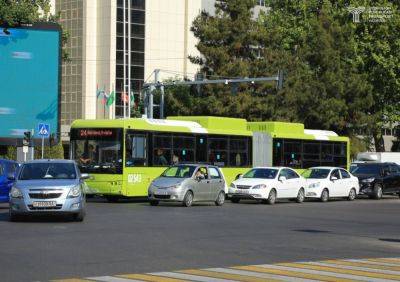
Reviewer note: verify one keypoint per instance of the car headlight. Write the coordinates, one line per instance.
(16, 193)
(176, 186)
(314, 185)
(74, 192)
(259, 186)
(232, 185)
(368, 180)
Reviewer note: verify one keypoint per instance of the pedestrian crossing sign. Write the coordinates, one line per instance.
(44, 130)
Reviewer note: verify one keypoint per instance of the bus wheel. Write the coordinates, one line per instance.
(112, 199)
(154, 203)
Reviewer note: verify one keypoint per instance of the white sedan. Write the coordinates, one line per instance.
(330, 182)
(267, 184)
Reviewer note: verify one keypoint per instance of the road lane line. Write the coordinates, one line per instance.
(150, 278)
(112, 279)
(234, 277)
(372, 262)
(299, 274)
(259, 275)
(190, 277)
(71, 280)
(388, 260)
(315, 266)
(365, 265)
(347, 277)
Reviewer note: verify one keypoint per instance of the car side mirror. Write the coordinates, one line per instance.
(386, 173)
(282, 178)
(85, 176)
(333, 178)
(11, 177)
(199, 178)
(239, 176)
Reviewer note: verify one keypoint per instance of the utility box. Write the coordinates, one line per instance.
(25, 154)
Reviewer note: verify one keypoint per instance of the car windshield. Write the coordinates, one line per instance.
(36, 171)
(316, 173)
(365, 169)
(180, 171)
(265, 173)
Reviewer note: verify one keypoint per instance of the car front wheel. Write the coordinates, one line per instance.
(271, 197)
(188, 199)
(325, 195)
(79, 217)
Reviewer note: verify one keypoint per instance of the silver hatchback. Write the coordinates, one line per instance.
(188, 184)
(48, 187)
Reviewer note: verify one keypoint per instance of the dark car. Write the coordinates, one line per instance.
(8, 171)
(377, 179)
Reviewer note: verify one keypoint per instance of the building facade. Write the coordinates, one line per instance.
(116, 45)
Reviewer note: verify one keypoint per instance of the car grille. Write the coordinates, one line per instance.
(44, 195)
(243, 186)
(58, 207)
(162, 196)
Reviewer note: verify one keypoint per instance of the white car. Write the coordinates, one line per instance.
(267, 184)
(330, 182)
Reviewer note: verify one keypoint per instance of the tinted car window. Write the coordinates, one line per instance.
(394, 169)
(344, 173)
(35, 171)
(291, 174)
(368, 169)
(264, 173)
(335, 173)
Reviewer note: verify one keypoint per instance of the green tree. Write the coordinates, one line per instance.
(340, 75)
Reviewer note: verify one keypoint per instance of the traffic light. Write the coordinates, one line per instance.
(27, 138)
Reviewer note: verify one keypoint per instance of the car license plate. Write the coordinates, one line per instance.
(161, 193)
(44, 204)
(243, 191)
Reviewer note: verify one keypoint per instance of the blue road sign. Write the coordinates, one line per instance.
(44, 130)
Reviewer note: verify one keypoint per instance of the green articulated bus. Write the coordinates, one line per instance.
(123, 156)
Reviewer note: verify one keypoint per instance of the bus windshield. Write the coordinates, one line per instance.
(97, 150)
(181, 171)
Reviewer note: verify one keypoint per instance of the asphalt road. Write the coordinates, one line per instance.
(133, 237)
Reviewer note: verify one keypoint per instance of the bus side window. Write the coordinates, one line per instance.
(136, 147)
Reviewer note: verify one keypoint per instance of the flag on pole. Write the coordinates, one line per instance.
(111, 98)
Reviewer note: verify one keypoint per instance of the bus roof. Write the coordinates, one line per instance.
(215, 125)
(205, 125)
(293, 131)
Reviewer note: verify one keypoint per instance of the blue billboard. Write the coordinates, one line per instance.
(29, 80)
